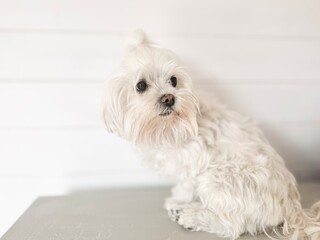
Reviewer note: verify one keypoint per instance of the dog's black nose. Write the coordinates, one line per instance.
(167, 100)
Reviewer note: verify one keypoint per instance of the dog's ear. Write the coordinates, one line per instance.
(136, 39)
(114, 104)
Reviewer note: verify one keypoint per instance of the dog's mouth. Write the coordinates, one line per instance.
(166, 112)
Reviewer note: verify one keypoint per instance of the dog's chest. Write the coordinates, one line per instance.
(186, 161)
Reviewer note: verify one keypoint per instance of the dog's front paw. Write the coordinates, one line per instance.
(184, 217)
(187, 219)
(174, 214)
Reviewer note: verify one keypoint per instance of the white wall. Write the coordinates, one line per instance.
(262, 58)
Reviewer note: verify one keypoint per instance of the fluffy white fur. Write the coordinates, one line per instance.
(230, 180)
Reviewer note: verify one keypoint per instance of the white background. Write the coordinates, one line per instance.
(262, 58)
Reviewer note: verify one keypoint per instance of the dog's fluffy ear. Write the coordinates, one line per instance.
(135, 39)
(114, 104)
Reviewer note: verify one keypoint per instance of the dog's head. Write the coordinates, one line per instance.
(150, 100)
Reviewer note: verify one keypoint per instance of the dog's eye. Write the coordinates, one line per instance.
(141, 86)
(173, 81)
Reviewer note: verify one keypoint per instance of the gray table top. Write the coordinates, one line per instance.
(135, 214)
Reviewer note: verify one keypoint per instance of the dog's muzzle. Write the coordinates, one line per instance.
(167, 101)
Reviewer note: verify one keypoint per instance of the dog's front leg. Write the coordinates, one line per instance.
(181, 193)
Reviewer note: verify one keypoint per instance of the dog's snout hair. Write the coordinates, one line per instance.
(167, 100)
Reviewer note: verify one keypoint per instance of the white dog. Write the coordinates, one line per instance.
(230, 181)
